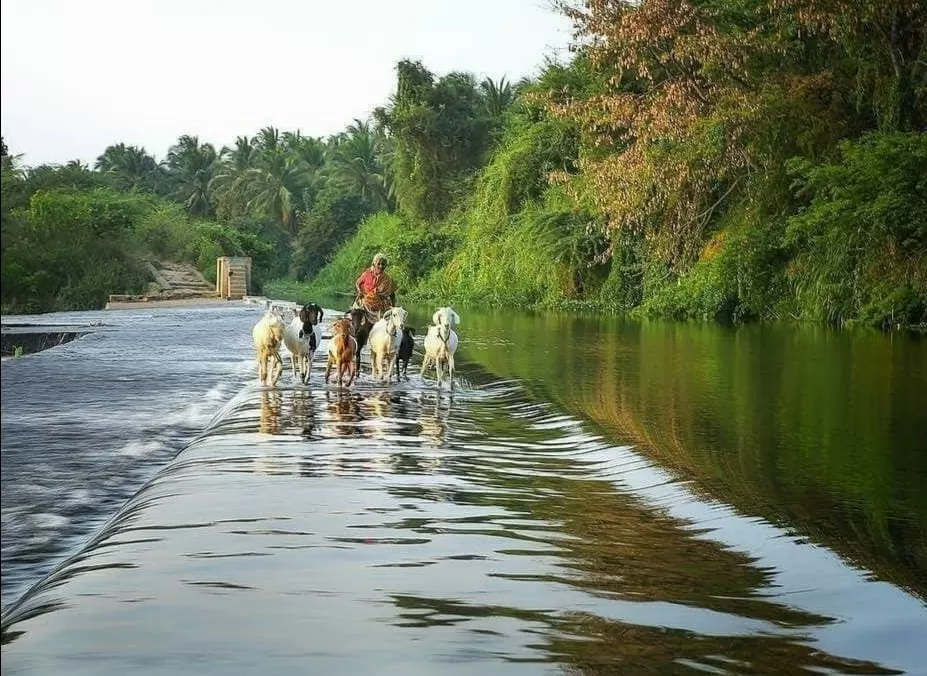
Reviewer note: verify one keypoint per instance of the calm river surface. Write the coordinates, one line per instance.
(597, 496)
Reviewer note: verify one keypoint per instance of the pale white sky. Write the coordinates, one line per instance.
(78, 75)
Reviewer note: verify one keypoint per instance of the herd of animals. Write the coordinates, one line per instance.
(390, 343)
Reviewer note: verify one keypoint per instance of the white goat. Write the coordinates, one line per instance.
(445, 315)
(268, 334)
(384, 339)
(441, 343)
(302, 337)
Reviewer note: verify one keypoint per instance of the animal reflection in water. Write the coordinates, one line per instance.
(344, 410)
(298, 415)
(385, 417)
(271, 401)
(389, 414)
(303, 413)
(433, 418)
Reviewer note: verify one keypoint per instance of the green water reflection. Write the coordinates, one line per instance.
(816, 430)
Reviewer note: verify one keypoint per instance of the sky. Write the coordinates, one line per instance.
(78, 76)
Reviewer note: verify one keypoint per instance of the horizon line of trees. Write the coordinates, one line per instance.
(309, 193)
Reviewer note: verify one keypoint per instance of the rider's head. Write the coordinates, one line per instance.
(379, 261)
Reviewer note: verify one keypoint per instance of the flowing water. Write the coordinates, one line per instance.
(595, 496)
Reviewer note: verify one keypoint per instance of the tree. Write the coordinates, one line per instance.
(440, 131)
(130, 167)
(356, 165)
(497, 96)
(333, 218)
(191, 167)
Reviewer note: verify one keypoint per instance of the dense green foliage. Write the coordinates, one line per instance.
(764, 160)
(68, 248)
(757, 160)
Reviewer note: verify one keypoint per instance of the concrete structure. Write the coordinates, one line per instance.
(233, 277)
(169, 283)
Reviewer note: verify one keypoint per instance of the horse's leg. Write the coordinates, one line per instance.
(438, 372)
(450, 370)
(328, 368)
(294, 360)
(424, 365)
(262, 368)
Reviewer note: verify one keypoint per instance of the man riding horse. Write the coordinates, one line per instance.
(376, 290)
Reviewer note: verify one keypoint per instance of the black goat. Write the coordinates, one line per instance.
(310, 315)
(360, 320)
(405, 352)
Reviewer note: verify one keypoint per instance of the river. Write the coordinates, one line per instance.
(596, 496)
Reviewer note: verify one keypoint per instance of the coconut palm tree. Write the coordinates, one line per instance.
(131, 167)
(277, 187)
(230, 181)
(191, 168)
(356, 164)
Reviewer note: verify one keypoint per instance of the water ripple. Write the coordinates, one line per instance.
(400, 530)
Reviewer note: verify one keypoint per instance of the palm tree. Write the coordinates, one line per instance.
(497, 96)
(268, 140)
(277, 187)
(130, 166)
(229, 184)
(9, 162)
(356, 164)
(191, 167)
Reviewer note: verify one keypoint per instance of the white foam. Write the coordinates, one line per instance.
(49, 521)
(139, 448)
